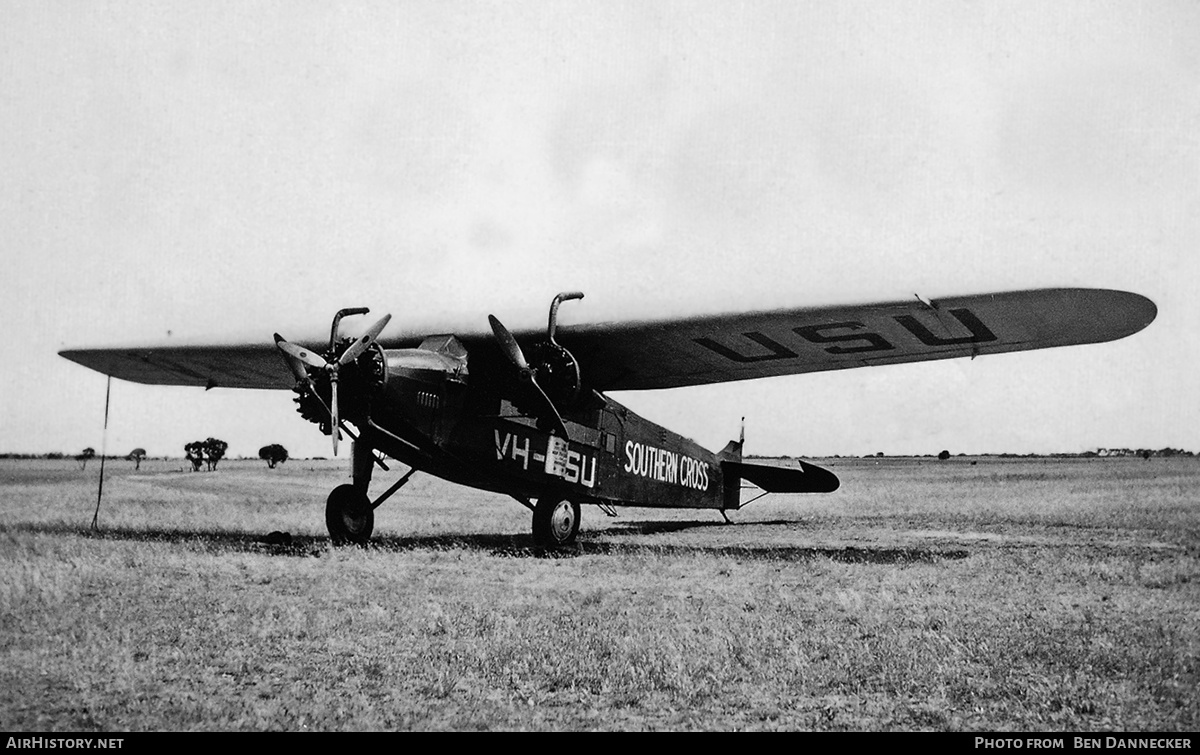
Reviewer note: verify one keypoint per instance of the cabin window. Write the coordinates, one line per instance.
(610, 442)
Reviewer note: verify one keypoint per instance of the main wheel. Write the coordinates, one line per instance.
(349, 516)
(555, 522)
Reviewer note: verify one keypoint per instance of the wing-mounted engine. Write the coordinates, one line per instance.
(551, 378)
(557, 369)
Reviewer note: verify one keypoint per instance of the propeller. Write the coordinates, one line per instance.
(512, 350)
(299, 359)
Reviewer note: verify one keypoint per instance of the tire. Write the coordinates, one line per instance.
(555, 522)
(349, 516)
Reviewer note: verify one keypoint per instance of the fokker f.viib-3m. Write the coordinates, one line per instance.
(524, 412)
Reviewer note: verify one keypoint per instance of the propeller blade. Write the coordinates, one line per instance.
(299, 353)
(313, 390)
(365, 340)
(294, 365)
(509, 346)
(549, 412)
(333, 411)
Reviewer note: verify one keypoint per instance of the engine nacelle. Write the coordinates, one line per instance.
(557, 373)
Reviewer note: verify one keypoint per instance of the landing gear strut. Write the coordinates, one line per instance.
(555, 522)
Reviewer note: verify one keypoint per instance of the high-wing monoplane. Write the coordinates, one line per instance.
(525, 412)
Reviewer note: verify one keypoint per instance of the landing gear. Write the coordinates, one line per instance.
(349, 511)
(349, 516)
(555, 522)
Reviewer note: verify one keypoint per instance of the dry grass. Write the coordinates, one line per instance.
(1006, 595)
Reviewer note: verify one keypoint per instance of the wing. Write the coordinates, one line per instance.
(711, 349)
(668, 353)
(209, 366)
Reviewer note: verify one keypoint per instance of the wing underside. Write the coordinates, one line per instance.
(674, 352)
(713, 349)
(235, 366)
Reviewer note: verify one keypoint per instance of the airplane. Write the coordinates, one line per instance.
(525, 412)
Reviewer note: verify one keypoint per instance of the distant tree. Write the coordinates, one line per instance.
(273, 454)
(214, 451)
(195, 454)
(136, 456)
(82, 458)
(944, 455)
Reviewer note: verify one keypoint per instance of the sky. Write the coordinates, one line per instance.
(251, 167)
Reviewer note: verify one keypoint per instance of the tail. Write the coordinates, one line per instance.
(733, 449)
(732, 454)
(804, 478)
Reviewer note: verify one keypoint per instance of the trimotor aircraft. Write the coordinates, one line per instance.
(524, 412)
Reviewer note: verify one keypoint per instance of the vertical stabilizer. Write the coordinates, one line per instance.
(733, 449)
(732, 452)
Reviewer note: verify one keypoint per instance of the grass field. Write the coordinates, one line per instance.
(1028, 595)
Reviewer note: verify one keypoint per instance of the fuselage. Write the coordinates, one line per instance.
(431, 410)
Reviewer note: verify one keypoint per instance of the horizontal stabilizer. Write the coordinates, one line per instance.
(808, 478)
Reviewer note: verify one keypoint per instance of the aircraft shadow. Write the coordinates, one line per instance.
(602, 542)
(849, 554)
